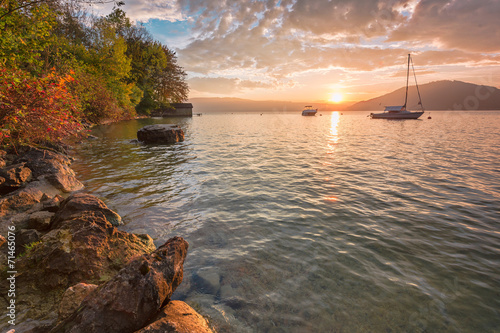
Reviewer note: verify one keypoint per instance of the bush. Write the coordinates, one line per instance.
(98, 103)
(36, 109)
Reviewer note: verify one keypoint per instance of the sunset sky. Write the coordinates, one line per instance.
(320, 50)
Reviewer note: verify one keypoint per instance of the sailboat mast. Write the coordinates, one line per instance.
(407, 77)
(416, 85)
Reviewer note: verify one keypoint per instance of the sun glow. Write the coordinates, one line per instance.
(336, 97)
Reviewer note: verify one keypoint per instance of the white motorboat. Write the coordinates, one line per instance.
(400, 112)
(309, 111)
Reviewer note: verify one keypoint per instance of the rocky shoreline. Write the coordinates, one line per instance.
(67, 266)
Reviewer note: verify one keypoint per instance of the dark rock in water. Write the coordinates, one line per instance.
(53, 166)
(78, 203)
(208, 280)
(13, 177)
(133, 296)
(160, 134)
(177, 317)
(236, 302)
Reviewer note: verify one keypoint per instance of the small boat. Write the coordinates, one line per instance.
(400, 112)
(309, 111)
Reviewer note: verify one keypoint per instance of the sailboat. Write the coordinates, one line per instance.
(400, 112)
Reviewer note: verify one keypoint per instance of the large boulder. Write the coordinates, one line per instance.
(31, 175)
(80, 247)
(160, 134)
(78, 203)
(52, 166)
(136, 294)
(177, 317)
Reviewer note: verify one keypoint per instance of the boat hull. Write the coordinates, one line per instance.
(396, 115)
(309, 114)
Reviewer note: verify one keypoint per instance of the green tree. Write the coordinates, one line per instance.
(171, 86)
(26, 35)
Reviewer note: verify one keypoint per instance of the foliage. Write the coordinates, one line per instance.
(35, 109)
(171, 86)
(26, 36)
(60, 66)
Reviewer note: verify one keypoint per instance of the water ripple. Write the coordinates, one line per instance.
(325, 224)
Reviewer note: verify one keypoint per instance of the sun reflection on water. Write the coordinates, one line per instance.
(334, 132)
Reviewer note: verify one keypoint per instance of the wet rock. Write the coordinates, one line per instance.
(73, 298)
(53, 166)
(160, 134)
(134, 295)
(177, 317)
(40, 220)
(78, 203)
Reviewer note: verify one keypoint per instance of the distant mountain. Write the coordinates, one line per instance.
(245, 105)
(439, 95)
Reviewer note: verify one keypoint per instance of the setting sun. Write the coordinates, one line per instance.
(336, 97)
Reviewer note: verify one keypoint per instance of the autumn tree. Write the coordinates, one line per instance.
(60, 63)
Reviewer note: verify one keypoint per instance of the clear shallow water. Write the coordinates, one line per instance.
(333, 223)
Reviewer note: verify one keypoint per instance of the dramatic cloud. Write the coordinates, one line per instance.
(285, 45)
(471, 25)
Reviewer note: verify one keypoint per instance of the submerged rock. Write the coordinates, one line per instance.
(134, 295)
(177, 317)
(160, 134)
(208, 280)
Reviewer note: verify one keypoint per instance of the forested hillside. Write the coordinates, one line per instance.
(61, 67)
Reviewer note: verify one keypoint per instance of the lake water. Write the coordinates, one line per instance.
(333, 223)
